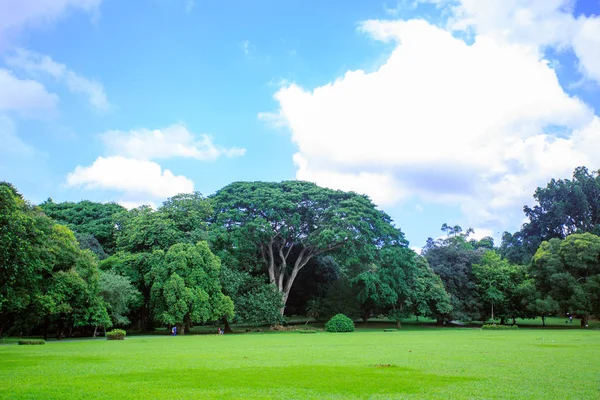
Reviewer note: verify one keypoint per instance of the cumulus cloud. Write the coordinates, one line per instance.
(15, 15)
(173, 141)
(533, 22)
(37, 65)
(129, 167)
(23, 95)
(443, 120)
(135, 177)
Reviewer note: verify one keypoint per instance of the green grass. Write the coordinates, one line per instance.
(408, 364)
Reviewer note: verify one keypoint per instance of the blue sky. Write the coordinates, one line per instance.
(441, 111)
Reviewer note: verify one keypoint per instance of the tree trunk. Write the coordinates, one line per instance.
(502, 321)
(227, 326)
(46, 327)
(543, 320)
(398, 324)
(584, 320)
(300, 262)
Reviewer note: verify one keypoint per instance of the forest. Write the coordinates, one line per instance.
(256, 253)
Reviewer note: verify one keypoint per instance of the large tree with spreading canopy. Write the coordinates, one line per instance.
(291, 222)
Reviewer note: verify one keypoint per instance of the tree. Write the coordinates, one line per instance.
(21, 261)
(119, 295)
(255, 302)
(496, 280)
(452, 258)
(279, 218)
(144, 230)
(564, 207)
(567, 273)
(190, 213)
(186, 287)
(44, 274)
(429, 297)
(87, 218)
(402, 284)
(136, 267)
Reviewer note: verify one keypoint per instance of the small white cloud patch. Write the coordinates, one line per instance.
(173, 141)
(135, 177)
(37, 65)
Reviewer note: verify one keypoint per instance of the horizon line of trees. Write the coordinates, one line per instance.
(255, 252)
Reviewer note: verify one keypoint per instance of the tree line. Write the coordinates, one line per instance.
(256, 252)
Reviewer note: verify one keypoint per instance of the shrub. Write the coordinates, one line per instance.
(499, 327)
(390, 330)
(116, 334)
(339, 323)
(31, 341)
(306, 331)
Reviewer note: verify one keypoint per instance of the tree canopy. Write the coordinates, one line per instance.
(278, 218)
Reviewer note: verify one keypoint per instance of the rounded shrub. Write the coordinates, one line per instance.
(339, 323)
(31, 341)
(499, 327)
(116, 334)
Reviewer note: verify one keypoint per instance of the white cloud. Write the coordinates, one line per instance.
(15, 15)
(135, 204)
(480, 233)
(441, 120)
(23, 95)
(134, 177)
(189, 6)
(12, 145)
(173, 141)
(37, 64)
(246, 47)
(533, 22)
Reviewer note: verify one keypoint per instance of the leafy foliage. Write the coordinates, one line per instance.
(567, 274)
(87, 218)
(31, 342)
(452, 258)
(278, 218)
(256, 303)
(116, 334)
(564, 207)
(499, 327)
(339, 323)
(497, 283)
(46, 278)
(119, 295)
(186, 287)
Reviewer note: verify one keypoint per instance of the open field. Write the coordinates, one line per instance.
(412, 364)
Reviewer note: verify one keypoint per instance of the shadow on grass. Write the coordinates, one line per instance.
(364, 380)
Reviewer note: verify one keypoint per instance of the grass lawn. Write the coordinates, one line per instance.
(371, 364)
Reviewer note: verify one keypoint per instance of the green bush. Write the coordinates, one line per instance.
(31, 341)
(116, 334)
(339, 323)
(390, 330)
(306, 331)
(499, 327)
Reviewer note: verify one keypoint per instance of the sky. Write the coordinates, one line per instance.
(442, 111)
